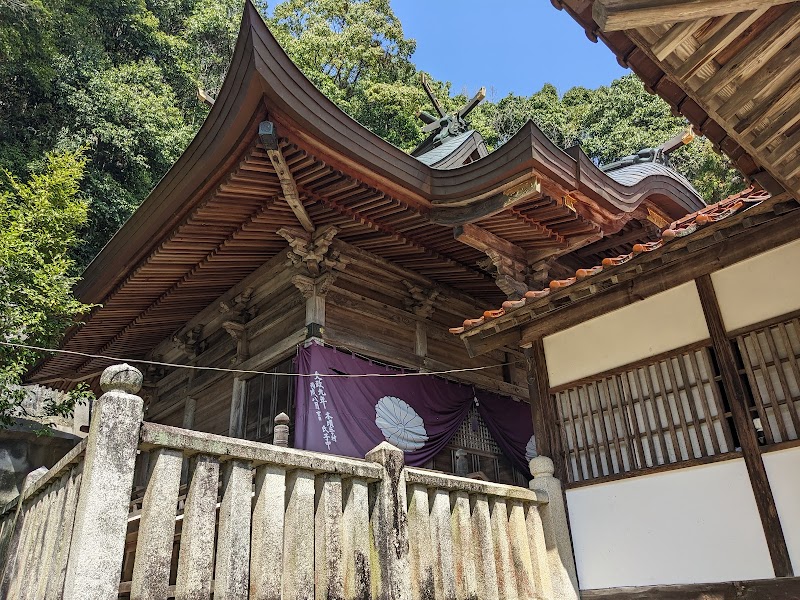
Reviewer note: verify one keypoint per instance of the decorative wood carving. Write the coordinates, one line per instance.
(312, 251)
(190, 343)
(238, 331)
(422, 299)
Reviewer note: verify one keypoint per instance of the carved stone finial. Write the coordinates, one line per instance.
(542, 466)
(121, 378)
(280, 434)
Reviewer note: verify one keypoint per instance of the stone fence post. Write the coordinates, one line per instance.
(390, 524)
(101, 518)
(556, 530)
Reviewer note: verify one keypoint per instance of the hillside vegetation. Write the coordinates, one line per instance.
(100, 98)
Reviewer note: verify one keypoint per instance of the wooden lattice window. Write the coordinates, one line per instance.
(666, 411)
(771, 360)
(483, 453)
(267, 397)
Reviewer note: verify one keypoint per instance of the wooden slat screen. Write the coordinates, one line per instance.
(771, 359)
(642, 416)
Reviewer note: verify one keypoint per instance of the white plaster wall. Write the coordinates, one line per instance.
(783, 471)
(654, 325)
(692, 525)
(759, 288)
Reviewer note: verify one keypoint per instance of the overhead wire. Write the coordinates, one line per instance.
(158, 363)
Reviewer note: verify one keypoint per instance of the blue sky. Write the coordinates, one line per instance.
(509, 45)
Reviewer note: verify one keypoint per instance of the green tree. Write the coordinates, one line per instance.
(38, 224)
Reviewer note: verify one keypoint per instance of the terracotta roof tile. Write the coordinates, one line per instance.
(680, 228)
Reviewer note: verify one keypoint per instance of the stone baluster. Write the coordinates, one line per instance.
(563, 574)
(101, 519)
(390, 524)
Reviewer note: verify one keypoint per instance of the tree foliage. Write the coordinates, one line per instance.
(39, 219)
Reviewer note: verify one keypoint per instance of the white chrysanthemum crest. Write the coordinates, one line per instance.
(400, 424)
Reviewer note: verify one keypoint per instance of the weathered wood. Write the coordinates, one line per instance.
(231, 567)
(266, 546)
(238, 403)
(727, 32)
(737, 400)
(485, 241)
(196, 558)
(289, 187)
(651, 281)
(543, 410)
(157, 527)
(616, 15)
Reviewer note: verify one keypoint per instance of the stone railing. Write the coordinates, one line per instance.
(262, 521)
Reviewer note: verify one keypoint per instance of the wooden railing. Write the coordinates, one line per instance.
(257, 520)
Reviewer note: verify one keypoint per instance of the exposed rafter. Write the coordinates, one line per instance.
(616, 15)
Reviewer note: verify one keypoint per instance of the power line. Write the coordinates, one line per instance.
(248, 371)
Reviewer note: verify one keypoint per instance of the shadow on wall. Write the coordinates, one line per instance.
(22, 451)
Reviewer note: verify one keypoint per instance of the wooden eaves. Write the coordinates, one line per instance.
(213, 218)
(731, 68)
(770, 224)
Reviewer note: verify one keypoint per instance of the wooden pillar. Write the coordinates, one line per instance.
(314, 291)
(238, 331)
(421, 340)
(545, 423)
(238, 399)
(734, 389)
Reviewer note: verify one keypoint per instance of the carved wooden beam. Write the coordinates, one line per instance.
(238, 331)
(483, 240)
(290, 193)
(190, 343)
(506, 259)
(616, 15)
(314, 290)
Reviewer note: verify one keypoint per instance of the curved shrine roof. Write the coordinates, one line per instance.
(213, 219)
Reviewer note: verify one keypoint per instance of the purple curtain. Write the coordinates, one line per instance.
(351, 415)
(510, 424)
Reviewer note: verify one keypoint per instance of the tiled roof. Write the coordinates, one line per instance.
(680, 228)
